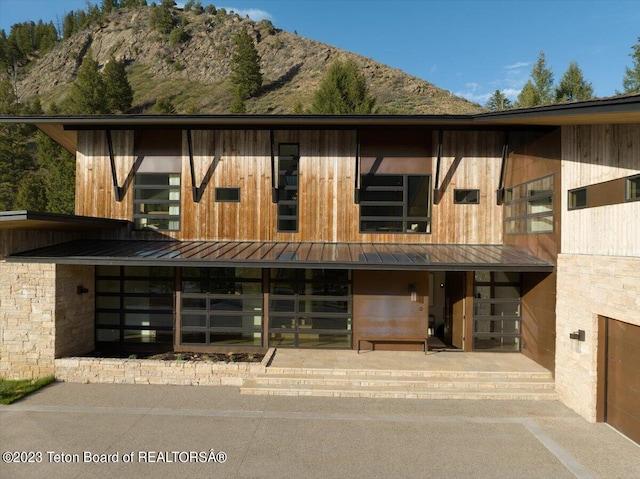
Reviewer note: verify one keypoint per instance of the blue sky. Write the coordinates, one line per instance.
(470, 48)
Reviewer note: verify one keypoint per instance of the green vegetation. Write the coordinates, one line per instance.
(245, 77)
(631, 79)
(12, 390)
(539, 88)
(343, 91)
(573, 86)
(498, 102)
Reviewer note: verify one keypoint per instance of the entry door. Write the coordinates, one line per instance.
(454, 308)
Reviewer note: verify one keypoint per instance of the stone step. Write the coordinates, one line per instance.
(253, 387)
(408, 382)
(277, 371)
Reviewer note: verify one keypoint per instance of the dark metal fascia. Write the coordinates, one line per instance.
(356, 193)
(436, 186)
(503, 170)
(117, 189)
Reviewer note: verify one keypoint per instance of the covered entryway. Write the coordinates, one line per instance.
(619, 376)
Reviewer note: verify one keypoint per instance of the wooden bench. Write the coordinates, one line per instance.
(374, 340)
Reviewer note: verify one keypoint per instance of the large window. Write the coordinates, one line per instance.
(395, 203)
(221, 306)
(288, 164)
(529, 207)
(310, 308)
(157, 201)
(496, 316)
(134, 305)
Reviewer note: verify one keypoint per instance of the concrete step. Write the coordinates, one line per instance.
(276, 371)
(408, 382)
(253, 387)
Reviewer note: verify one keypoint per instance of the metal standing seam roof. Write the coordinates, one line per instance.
(389, 256)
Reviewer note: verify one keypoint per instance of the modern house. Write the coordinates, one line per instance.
(515, 231)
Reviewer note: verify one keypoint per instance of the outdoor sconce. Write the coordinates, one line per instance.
(579, 335)
(81, 289)
(413, 291)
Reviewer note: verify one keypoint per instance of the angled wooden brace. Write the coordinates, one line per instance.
(118, 190)
(503, 170)
(436, 185)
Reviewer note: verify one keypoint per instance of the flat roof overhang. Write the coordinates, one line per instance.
(618, 110)
(388, 256)
(34, 220)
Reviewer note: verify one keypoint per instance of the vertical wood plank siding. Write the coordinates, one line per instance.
(327, 212)
(594, 154)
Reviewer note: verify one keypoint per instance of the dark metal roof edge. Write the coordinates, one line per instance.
(27, 215)
(100, 261)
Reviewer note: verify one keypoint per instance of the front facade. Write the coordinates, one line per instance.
(246, 233)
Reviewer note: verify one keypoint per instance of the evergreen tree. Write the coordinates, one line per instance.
(164, 106)
(109, 6)
(87, 94)
(118, 92)
(15, 155)
(31, 193)
(59, 180)
(631, 79)
(498, 102)
(162, 17)
(539, 89)
(573, 86)
(246, 79)
(343, 91)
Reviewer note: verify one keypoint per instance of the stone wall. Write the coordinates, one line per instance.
(27, 320)
(43, 317)
(75, 313)
(149, 371)
(589, 286)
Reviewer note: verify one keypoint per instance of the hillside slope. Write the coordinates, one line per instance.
(194, 73)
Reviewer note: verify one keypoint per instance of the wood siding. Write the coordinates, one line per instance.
(327, 211)
(594, 154)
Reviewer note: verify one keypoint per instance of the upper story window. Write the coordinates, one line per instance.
(395, 203)
(577, 198)
(529, 207)
(156, 200)
(632, 192)
(288, 164)
(466, 197)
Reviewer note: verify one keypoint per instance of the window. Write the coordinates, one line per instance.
(632, 192)
(529, 207)
(466, 197)
(230, 195)
(577, 198)
(395, 204)
(310, 308)
(221, 306)
(134, 305)
(288, 164)
(496, 315)
(157, 201)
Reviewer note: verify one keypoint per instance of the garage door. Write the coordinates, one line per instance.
(622, 382)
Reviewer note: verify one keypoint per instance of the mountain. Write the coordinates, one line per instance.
(194, 73)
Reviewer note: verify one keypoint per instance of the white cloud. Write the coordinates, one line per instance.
(517, 65)
(472, 86)
(254, 14)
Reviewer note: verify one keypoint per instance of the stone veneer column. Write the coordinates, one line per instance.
(43, 317)
(588, 286)
(27, 309)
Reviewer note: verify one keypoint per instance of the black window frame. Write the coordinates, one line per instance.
(405, 219)
(525, 195)
(464, 201)
(288, 194)
(627, 189)
(227, 189)
(572, 199)
(138, 203)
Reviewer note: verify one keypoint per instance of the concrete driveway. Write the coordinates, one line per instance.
(66, 431)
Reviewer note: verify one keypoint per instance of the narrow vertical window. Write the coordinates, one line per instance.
(288, 164)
